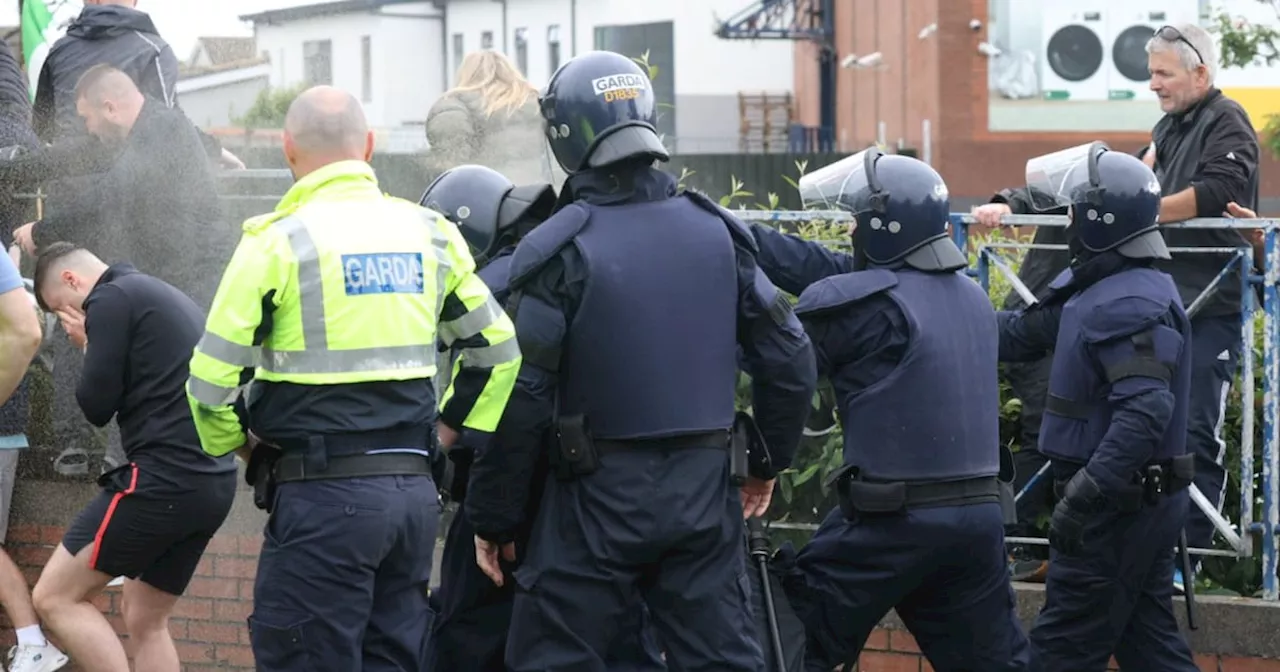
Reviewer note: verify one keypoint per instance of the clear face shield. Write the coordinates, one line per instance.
(823, 188)
(830, 187)
(1054, 179)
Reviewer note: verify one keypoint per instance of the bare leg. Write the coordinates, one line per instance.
(14, 595)
(146, 617)
(61, 599)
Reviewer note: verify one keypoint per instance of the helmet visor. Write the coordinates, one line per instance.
(824, 188)
(1058, 176)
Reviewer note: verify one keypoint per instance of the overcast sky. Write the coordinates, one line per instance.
(182, 21)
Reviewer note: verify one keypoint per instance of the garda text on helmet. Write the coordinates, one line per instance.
(620, 87)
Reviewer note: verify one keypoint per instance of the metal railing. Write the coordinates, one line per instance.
(1240, 537)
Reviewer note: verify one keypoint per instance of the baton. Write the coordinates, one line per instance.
(758, 543)
(1188, 581)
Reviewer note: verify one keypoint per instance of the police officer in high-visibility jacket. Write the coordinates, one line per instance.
(632, 303)
(338, 298)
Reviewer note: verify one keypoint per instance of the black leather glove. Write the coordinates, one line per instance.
(1081, 500)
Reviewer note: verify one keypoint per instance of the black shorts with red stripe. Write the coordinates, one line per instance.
(149, 528)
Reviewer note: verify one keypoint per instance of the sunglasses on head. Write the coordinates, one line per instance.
(1171, 34)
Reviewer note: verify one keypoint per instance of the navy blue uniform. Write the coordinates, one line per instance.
(1117, 407)
(911, 356)
(632, 303)
(470, 631)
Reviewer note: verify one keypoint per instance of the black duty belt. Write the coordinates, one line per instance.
(292, 467)
(717, 439)
(879, 497)
(949, 493)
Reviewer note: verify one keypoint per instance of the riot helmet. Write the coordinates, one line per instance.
(900, 206)
(489, 210)
(1114, 199)
(599, 109)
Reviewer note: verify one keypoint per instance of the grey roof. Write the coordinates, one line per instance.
(320, 9)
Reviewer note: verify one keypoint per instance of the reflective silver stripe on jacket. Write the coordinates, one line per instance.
(212, 395)
(223, 350)
(472, 323)
(318, 358)
(490, 355)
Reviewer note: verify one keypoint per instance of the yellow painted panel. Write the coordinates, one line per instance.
(1258, 102)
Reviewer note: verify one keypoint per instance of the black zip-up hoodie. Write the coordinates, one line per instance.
(141, 332)
(121, 37)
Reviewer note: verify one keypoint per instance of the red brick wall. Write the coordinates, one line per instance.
(896, 651)
(210, 630)
(209, 624)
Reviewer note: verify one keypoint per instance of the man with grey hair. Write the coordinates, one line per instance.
(1205, 156)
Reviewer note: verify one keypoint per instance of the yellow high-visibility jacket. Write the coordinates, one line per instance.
(358, 280)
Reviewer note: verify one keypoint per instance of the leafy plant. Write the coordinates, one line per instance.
(1242, 43)
(269, 108)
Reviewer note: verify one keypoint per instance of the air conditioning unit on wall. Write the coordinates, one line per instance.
(1130, 24)
(1073, 60)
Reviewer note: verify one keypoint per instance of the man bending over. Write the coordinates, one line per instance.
(157, 512)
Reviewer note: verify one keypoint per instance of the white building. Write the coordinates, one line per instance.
(400, 55)
(699, 74)
(221, 79)
(387, 52)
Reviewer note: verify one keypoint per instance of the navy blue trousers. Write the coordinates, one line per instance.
(1115, 597)
(474, 616)
(943, 569)
(662, 526)
(343, 574)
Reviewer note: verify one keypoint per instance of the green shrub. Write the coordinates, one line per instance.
(269, 108)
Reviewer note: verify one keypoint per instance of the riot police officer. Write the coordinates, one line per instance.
(631, 303)
(1115, 422)
(473, 614)
(908, 342)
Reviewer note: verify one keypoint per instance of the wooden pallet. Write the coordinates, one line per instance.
(765, 122)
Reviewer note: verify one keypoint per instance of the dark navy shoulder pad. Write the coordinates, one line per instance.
(737, 228)
(1120, 317)
(1060, 289)
(545, 241)
(844, 289)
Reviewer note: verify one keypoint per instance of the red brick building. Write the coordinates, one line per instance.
(941, 78)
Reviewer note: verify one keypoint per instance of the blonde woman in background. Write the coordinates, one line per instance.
(491, 119)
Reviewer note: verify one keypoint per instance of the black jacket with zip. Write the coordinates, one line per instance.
(121, 37)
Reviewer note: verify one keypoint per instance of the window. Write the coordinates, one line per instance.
(366, 69)
(486, 39)
(522, 50)
(459, 50)
(317, 62)
(553, 48)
